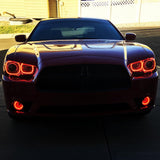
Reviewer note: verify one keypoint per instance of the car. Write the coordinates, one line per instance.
(78, 66)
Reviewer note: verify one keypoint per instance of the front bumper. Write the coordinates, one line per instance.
(38, 102)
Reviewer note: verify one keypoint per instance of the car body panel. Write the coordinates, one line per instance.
(83, 54)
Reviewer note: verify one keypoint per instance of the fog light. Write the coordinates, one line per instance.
(146, 101)
(18, 106)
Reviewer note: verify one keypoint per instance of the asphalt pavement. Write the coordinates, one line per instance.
(116, 137)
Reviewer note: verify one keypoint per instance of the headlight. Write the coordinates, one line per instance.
(19, 71)
(149, 65)
(27, 68)
(143, 67)
(12, 68)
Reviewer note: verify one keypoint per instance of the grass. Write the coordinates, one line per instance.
(5, 28)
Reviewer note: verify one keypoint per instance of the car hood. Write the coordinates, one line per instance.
(70, 52)
(85, 51)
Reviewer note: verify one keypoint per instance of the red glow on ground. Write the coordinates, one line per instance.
(145, 107)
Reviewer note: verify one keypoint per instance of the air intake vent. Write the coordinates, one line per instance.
(90, 77)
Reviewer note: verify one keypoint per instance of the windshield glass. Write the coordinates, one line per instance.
(74, 29)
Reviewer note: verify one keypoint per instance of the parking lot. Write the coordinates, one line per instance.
(115, 137)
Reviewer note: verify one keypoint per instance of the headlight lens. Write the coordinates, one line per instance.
(19, 71)
(142, 67)
(12, 68)
(136, 66)
(27, 68)
(149, 65)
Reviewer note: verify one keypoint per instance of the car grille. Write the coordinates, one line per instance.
(90, 77)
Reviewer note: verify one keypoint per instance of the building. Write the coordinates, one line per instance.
(118, 11)
(41, 8)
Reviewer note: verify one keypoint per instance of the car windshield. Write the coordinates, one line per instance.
(74, 29)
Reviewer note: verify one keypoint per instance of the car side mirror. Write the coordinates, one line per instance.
(130, 36)
(20, 38)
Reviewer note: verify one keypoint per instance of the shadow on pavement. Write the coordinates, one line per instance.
(57, 138)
